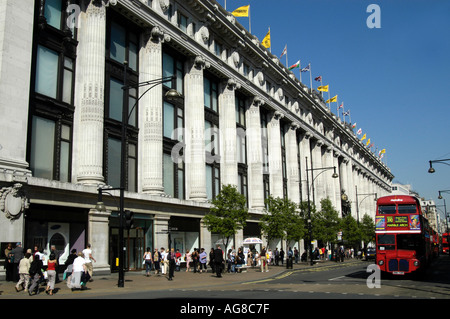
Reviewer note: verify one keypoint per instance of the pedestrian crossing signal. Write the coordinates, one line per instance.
(129, 219)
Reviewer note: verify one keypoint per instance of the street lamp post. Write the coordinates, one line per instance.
(335, 175)
(171, 95)
(357, 204)
(432, 170)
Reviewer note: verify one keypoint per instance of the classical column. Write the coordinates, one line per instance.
(98, 232)
(151, 114)
(292, 164)
(160, 227)
(16, 46)
(316, 181)
(205, 238)
(90, 82)
(305, 151)
(254, 155)
(228, 133)
(275, 160)
(327, 175)
(195, 131)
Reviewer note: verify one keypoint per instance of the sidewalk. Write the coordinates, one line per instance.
(104, 285)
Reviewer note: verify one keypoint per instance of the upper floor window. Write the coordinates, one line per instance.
(182, 22)
(173, 66)
(54, 75)
(211, 94)
(123, 46)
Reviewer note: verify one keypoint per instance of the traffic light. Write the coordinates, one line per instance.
(129, 219)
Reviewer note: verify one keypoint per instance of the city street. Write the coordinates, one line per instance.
(325, 280)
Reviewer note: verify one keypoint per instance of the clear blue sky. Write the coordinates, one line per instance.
(395, 80)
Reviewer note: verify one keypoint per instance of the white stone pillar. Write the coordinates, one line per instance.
(292, 164)
(327, 174)
(305, 152)
(195, 130)
(275, 160)
(16, 42)
(160, 226)
(316, 180)
(151, 114)
(254, 155)
(228, 134)
(98, 237)
(89, 97)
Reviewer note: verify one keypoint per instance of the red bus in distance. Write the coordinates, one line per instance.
(445, 243)
(403, 235)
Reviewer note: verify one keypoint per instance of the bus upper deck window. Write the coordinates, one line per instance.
(386, 209)
(407, 209)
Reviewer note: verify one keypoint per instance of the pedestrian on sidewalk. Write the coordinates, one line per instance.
(218, 261)
(51, 274)
(211, 260)
(35, 274)
(89, 258)
(195, 256)
(148, 261)
(188, 259)
(24, 273)
(203, 258)
(157, 261)
(171, 263)
(264, 260)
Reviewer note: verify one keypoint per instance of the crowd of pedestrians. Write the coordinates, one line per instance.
(32, 269)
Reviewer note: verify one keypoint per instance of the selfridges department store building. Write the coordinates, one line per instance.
(242, 119)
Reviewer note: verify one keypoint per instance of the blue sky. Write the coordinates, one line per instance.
(395, 79)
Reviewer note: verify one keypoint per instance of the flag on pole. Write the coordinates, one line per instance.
(284, 51)
(359, 132)
(342, 107)
(241, 11)
(318, 79)
(333, 99)
(363, 138)
(266, 41)
(306, 69)
(296, 65)
(354, 125)
(368, 142)
(323, 88)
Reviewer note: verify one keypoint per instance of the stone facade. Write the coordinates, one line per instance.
(210, 47)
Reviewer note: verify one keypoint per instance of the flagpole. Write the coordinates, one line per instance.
(270, 37)
(249, 21)
(310, 77)
(300, 69)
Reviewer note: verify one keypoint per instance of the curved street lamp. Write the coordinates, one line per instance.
(431, 170)
(335, 175)
(171, 95)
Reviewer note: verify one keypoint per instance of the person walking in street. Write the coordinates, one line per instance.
(171, 263)
(157, 261)
(9, 262)
(263, 259)
(24, 273)
(78, 269)
(203, 258)
(89, 258)
(188, 258)
(35, 274)
(211, 260)
(18, 255)
(51, 274)
(164, 262)
(148, 261)
(218, 261)
(195, 256)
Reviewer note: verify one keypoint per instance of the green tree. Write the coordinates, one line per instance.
(367, 229)
(326, 222)
(282, 220)
(228, 213)
(350, 231)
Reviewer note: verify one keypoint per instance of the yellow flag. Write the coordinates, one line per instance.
(323, 88)
(241, 11)
(368, 142)
(266, 41)
(363, 138)
(383, 151)
(333, 99)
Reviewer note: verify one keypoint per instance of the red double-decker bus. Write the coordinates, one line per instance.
(445, 243)
(402, 235)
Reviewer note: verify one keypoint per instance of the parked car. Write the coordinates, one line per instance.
(371, 254)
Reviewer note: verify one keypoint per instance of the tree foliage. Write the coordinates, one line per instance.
(228, 213)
